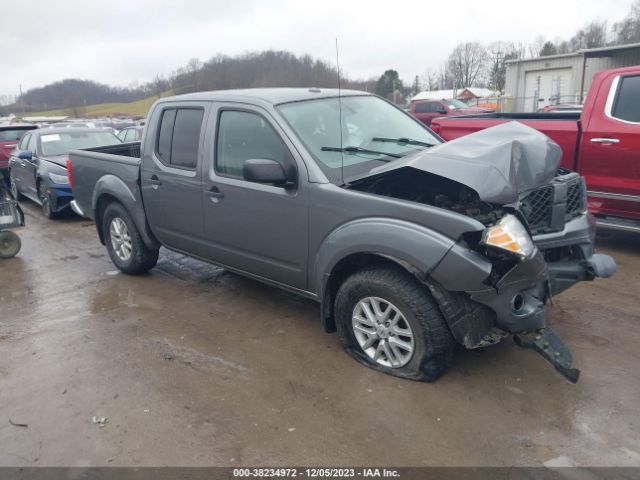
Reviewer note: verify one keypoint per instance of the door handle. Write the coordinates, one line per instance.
(605, 140)
(155, 181)
(214, 193)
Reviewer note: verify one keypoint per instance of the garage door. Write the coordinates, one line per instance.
(547, 87)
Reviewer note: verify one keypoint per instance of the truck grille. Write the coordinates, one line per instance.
(575, 199)
(548, 208)
(536, 207)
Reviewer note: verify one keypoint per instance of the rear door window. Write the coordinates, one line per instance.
(179, 137)
(186, 138)
(627, 103)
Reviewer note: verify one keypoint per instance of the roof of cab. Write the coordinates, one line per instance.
(18, 126)
(273, 96)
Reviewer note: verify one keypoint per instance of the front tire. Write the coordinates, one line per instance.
(126, 248)
(388, 321)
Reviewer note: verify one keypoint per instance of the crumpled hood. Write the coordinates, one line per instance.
(498, 163)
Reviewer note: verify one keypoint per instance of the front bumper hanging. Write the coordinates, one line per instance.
(548, 344)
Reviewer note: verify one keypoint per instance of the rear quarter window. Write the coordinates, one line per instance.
(165, 135)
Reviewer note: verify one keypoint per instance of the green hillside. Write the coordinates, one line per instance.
(139, 107)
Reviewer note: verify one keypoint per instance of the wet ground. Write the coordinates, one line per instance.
(191, 365)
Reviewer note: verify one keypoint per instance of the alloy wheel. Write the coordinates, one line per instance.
(44, 199)
(383, 332)
(120, 238)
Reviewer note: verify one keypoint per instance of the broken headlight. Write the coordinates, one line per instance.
(58, 179)
(510, 235)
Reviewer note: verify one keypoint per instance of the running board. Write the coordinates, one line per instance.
(618, 224)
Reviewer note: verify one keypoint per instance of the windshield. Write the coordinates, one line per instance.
(455, 104)
(373, 132)
(63, 143)
(11, 135)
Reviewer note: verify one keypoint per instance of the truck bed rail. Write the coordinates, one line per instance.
(521, 116)
(131, 149)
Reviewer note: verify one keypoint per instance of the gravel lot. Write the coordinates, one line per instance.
(191, 365)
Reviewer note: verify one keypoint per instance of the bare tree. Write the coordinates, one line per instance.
(536, 46)
(430, 79)
(628, 30)
(194, 66)
(593, 35)
(445, 77)
(158, 85)
(468, 64)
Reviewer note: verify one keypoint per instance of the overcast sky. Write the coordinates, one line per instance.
(123, 41)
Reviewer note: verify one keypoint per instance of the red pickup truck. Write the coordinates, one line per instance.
(10, 135)
(602, 143)
(428, 109)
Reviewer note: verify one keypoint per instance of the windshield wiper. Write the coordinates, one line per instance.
(402, 140)
(361, 150)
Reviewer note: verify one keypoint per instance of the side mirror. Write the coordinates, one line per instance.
(442, 111)
(26, 155)
(263, 170)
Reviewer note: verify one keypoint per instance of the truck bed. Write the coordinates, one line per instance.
(563, 128)
(92, 165)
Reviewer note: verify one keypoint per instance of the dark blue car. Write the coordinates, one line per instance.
(38, 165)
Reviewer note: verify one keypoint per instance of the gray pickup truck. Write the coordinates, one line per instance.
(410, 245)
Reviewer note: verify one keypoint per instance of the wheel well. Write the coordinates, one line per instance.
(348, 265)
(101, 206)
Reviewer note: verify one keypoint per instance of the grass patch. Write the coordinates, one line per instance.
(139, 107)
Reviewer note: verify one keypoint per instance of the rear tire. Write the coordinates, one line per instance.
(126, 248)
(10, 244)
(418, 346)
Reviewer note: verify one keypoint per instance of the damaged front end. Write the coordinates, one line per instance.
(538, 239)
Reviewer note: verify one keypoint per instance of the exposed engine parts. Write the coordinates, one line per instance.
(423, 187)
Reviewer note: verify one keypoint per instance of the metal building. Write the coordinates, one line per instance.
(537, 82)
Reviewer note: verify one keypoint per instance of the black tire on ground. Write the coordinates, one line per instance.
(433, 342)
(142, 259)
(45, 202)
(9, 244)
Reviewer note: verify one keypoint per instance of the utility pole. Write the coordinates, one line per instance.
(21, 99)
(496, 71)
